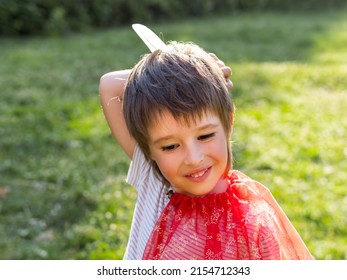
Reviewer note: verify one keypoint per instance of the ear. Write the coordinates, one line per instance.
(232, 117)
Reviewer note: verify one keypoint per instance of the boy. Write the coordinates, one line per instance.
(151, 190)
(174, 120)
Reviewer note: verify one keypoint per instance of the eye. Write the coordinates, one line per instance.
(206, 136)
(170, 147)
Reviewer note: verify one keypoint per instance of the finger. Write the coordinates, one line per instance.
(219, 62)
(229, 85)
(226, 71)
(214, 56)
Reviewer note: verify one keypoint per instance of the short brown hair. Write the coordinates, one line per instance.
(182, 79)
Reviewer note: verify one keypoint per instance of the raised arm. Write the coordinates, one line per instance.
(111, 90)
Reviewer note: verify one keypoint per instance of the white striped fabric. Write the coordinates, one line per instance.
(151, 200)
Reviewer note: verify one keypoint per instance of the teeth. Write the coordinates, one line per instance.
(199, 174)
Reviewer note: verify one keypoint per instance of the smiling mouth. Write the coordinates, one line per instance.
(199, 173)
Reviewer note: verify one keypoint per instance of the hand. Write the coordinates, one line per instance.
(225, 69)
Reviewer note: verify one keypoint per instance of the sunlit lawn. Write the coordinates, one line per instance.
(62, 189)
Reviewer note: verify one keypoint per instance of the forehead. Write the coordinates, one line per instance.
(165, 124)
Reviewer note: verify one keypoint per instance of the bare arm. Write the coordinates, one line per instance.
(111, 90)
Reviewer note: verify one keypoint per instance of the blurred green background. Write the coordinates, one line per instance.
(62, 189)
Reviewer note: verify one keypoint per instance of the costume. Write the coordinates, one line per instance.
(151, 200)
(244, 222)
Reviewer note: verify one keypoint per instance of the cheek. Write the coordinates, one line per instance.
(220, 146)
(220, 151)
(166, 166)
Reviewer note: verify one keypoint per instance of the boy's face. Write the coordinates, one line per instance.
(192, 158)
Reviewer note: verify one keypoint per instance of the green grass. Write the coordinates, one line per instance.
(62, 189)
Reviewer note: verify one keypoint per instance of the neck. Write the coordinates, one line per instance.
(221, 185)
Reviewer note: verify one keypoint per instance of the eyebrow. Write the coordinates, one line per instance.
(203, 127)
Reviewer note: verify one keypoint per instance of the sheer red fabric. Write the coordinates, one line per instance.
(244, 222)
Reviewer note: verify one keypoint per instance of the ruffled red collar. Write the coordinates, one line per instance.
(244, 222)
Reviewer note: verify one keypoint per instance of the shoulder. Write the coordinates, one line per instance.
(246, 188)
(253, 203)
(140, 169)
(143, 177)
(254, 198)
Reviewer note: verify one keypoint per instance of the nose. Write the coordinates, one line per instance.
(194, 155)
